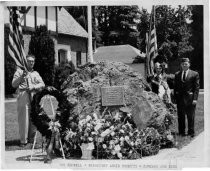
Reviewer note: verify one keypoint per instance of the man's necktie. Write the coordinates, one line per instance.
(184, 76)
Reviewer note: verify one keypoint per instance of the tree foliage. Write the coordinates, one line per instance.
(112, 25)
(117, 24)
(62, 71)
(42, 46)
(197, 55)
(173, 31)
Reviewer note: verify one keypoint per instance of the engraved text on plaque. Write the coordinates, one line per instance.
(112, 96)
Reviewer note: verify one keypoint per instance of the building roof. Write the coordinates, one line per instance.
(118, 53)
(68, 25)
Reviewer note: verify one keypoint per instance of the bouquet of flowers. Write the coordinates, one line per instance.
(114, 137)
(128, 143)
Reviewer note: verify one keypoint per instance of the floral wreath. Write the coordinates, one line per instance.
(40, 118)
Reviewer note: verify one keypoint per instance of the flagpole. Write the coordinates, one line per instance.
(148, 40)
(145, 67)
(90, 46)
(154, 14)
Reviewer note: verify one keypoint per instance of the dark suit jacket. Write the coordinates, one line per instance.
(186, 92)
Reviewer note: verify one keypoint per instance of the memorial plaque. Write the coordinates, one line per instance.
(112, 96)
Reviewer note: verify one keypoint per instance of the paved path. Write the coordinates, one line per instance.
(190, 155)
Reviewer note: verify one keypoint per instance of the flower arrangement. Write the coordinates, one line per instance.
(54, 126)
(114, 137)
(40, 118)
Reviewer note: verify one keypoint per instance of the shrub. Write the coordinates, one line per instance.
(62, 72)
(42, 46)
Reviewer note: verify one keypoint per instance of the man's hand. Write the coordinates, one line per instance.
(194, 102)
(25, 73)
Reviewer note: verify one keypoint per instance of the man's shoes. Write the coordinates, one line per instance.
(191, 135)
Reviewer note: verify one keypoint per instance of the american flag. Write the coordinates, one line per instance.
(15, 47)
(151, 45)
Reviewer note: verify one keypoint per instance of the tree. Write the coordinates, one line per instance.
(197, 40)
(112, 25)
(173, 32)
(143, 28)
(42, 46)
(62, 71)
(117, 24)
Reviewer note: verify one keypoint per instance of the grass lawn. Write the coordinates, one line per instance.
(199, 123)
(12, 132)
(11, 125)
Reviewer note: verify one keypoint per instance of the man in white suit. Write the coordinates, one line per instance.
(27, 83)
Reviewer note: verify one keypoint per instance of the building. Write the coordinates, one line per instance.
(72, 39)
(69, 37)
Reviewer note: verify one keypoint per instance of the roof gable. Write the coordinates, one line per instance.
(68, 25)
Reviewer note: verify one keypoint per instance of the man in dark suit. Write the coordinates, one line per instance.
(186, 90)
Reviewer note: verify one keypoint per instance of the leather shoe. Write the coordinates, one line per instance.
(192, 135)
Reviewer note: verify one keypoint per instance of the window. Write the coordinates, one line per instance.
(61, 56)
(79, 58)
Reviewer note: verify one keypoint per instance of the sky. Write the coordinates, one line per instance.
(146, 6)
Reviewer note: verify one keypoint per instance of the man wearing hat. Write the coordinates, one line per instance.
(28, 83)
(186, 90)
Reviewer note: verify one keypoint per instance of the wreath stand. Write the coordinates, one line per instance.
(32, 151)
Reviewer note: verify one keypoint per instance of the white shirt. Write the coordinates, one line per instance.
(33, 79)
(185, 75)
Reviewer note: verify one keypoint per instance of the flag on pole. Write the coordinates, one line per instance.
(15, 47)
(151, 45)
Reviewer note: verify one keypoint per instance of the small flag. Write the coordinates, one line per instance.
(151, 45)
(15, 47)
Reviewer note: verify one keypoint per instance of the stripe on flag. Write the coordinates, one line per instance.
(15, 47)
(151, 45)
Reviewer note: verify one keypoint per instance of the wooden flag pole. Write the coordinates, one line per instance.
(148, 47)
(146, 65)
(90, 45)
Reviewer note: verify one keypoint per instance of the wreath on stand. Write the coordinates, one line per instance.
(50, 128)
